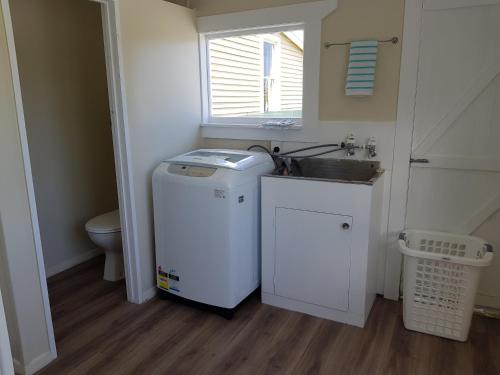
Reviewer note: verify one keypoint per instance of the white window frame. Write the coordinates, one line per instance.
(305, 16)
(275, 41)
(237, 120)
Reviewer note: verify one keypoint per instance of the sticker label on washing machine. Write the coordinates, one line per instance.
(220, 193)
(162, 279)
(173, 279)
(168, 280)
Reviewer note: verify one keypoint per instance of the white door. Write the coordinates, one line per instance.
(457, 127)
(312, 257)
(6, 366)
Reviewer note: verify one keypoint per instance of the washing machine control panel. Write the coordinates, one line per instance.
(191, 170)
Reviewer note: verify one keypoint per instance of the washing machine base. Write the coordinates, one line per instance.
(224, 312)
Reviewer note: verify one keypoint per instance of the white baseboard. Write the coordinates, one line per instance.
(314, 310)
(148, 294)
(488, 301)
(35, 365)
(63, 266)
(18, 367)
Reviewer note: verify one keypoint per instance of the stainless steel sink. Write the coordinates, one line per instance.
(336, 170)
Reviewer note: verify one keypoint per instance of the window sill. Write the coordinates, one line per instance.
(250, 126)
(247, 131)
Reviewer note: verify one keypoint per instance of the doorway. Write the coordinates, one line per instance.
(448, 125)
(455, 177)
(62, 69)
(116, 125)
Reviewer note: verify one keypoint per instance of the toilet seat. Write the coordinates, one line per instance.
(106, 223)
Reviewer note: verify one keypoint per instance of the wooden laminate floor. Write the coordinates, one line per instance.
(98, 332)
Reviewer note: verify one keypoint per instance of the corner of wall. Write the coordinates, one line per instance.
(35, 365)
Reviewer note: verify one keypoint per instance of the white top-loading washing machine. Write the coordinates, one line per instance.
(207, 225)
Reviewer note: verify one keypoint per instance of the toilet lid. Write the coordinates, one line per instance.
(106, 223)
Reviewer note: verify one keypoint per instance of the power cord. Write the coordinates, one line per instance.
(309, 148)
(317, 154)
(290, 154)
(260, 147)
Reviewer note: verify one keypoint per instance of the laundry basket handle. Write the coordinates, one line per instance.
(488, 247)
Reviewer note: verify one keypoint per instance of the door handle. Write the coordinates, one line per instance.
(345, 226)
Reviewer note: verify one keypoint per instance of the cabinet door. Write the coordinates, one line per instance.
(312, 257)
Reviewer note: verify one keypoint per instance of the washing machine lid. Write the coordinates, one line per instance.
(222, 158)
(106, 223)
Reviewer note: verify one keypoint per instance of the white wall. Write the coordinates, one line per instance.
(162, 83)
(18, 262)
(488, 291)
(6, 365)
(65, 98)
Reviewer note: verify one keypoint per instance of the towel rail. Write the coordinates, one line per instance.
(393, 40)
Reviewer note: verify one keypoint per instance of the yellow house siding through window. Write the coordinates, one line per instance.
(291, 75)
(236, 75)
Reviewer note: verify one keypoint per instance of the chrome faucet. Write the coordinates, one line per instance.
(371, 147)
(350, 143)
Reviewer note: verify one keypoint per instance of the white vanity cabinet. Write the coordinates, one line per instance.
(311, 253)
(320, 240)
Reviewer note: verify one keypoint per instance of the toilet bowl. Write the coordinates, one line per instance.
(105, 231)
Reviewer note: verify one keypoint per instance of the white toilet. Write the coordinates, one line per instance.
(105, 231)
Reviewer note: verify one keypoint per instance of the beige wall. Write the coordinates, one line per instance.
(353, 19)
(179, 2)
(62, 69)
(211, 7)
(19, 277)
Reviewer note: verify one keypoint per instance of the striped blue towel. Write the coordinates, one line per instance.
(361, 69)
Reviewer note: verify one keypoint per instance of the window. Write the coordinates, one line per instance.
(256, 77)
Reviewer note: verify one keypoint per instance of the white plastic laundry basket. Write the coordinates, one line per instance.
(441, 273)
